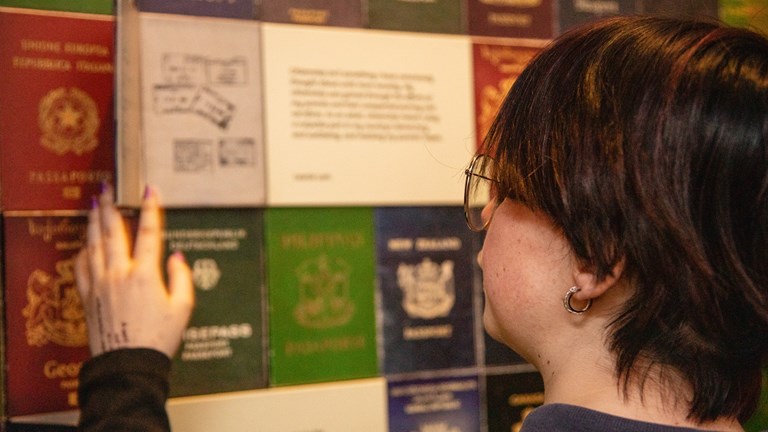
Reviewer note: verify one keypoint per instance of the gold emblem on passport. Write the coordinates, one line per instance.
(324, 300)
(54, 312)
(69, 121)
(491, 98)
(428, 288)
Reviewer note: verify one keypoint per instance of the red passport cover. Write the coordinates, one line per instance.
(46, 339)
(56, 115)
(495, 67)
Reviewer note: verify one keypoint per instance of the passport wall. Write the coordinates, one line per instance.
(310, 154)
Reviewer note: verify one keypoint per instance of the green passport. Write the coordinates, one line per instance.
(430, 16)
(321, 277)
(223, 347)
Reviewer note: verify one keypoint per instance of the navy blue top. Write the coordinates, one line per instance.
(571, 418)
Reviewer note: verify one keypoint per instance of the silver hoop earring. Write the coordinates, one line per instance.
(567, 301)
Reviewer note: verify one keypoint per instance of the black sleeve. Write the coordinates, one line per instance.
(124, 390)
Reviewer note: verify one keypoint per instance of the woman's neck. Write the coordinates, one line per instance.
(584, 375)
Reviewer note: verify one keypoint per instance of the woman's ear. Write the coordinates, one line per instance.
(590, 287)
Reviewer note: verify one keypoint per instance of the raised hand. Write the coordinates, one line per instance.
(127, 303)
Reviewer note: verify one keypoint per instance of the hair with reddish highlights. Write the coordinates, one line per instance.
(645, 139)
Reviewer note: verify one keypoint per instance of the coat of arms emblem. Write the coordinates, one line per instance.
(324, 299)
(54, 311)
(205, 273)
(428, 288)
(69, 121)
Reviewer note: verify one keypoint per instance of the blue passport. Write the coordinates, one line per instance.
(575, 12)
(425, 279)
(243, 9)
(445, 404)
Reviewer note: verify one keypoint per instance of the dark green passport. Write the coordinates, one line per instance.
(431, 16)
(223, 347)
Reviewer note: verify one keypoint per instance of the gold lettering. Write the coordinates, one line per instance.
(42, 63)
(55, 370)
(72, 192)
(304, 241)
(596, 7)
(72, 398)
(68, 177)
(510, 19)
(40, 45)
(513, 3)
(308, 16)
(86, 49)
(340, 344)
(94, 67)
(444, 331)
(48, 230)
(526, 399)
(70, 384)
(68, 246)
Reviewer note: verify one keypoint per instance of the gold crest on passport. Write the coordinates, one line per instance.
(46, 332)
(69, 121)
(56, 116)
(324, 299)
(54, 311)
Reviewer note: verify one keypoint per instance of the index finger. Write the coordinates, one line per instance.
(147, 249)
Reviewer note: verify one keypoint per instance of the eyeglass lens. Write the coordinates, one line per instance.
(479, 191)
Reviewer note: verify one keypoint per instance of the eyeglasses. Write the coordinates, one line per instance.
(479, 190)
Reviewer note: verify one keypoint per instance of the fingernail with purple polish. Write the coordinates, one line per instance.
(180, 255)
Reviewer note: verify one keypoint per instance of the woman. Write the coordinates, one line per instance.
(626, 246)
(626, 253)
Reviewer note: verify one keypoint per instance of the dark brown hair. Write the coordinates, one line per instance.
(645, 140)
